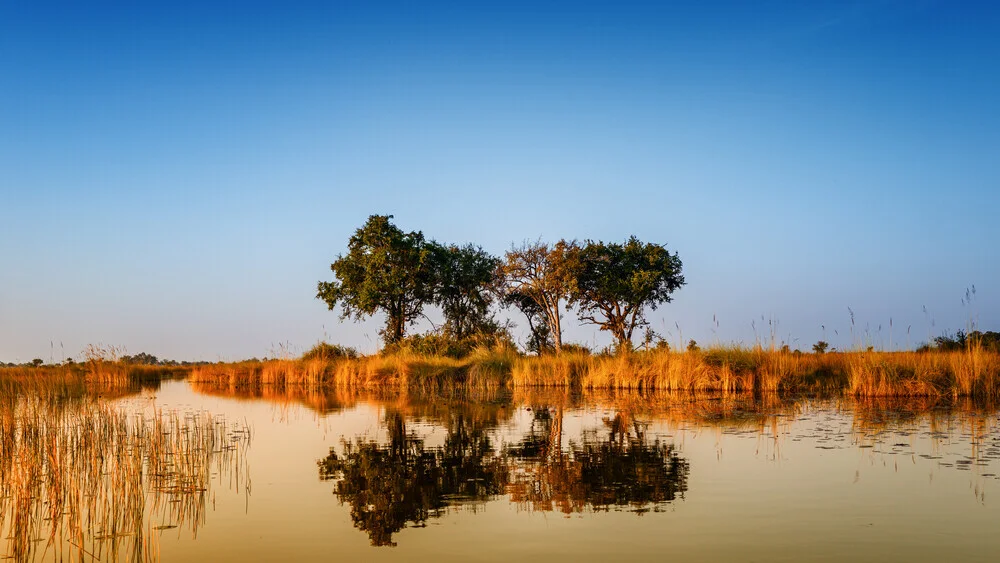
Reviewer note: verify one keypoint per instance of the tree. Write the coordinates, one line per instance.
(614, 284)
(540, 337)
(385, 270)
(536, 272)
(141, 359)
(463, 279)
(820, 347)
(650, 338)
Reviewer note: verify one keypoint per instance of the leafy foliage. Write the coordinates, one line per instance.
(385, 270)
(327, 351)
(395, 273)
(961, 340)
(613, 284)
(464, 288)
(141, 359)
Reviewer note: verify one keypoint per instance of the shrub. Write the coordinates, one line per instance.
(573, 348)
(327, 351)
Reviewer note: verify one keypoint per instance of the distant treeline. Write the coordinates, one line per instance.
(962, 340)
(610, 285)
(140, 359)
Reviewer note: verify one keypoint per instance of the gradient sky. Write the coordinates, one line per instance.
(175, 179)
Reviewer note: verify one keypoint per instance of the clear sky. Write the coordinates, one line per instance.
(175, 179)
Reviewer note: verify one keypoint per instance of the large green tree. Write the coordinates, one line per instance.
(612, 285)
(463, 288)
(385, 270)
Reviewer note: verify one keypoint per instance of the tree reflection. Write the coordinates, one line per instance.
(403, 481)
(619, 468)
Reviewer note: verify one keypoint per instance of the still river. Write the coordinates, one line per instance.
(550, 475)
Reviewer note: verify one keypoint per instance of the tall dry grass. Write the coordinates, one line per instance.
(102, 373)
(84, 480)
(733, 369)
(483, 369)
(968, 373)
(971, 372)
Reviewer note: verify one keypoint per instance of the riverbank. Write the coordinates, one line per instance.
(972, 372)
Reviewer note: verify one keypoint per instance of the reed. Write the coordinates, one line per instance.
(92, 481)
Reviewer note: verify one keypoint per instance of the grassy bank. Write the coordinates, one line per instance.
(970, 372)
(107, 379)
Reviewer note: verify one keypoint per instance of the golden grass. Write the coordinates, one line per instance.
(55, 383)
(482, 369)
(973, 372)
(734, 369)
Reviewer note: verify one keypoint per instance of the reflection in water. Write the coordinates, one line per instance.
(877, 468)
(390, 485)
(616, 467)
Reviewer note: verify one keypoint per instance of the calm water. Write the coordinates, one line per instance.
(557, 477)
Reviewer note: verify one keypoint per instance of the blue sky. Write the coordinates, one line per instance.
(176, 178)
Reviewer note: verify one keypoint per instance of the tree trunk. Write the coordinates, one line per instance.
(556, 327)
(395, 325)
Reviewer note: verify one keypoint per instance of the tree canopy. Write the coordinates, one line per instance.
(385, 270)
(396, 273)
(463, 288)
(537, 272)
(614, 284)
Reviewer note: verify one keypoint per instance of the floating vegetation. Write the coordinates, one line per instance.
(89, 481)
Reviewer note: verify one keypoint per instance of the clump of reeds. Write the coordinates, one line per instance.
(94, 481)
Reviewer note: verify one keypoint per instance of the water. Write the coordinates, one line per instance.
(552, 476)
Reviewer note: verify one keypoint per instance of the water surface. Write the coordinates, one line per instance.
(564, 477)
